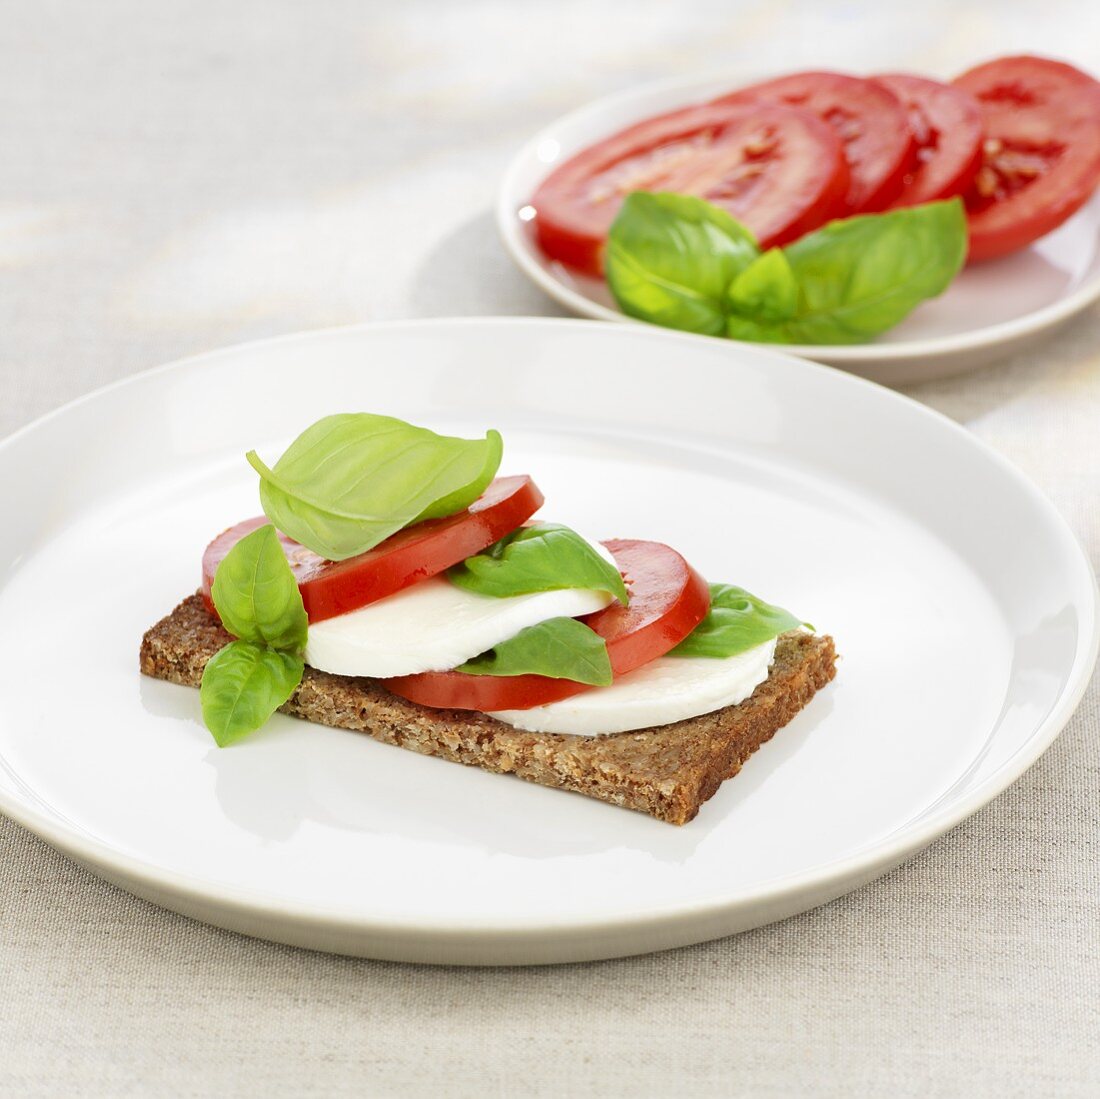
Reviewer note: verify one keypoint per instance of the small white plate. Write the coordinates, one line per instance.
(963, 607)
(990, 310)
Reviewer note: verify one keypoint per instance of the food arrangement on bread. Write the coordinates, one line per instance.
(819, 207)
(397, 586)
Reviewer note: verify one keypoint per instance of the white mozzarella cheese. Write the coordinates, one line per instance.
(668, 689)
(434, 625)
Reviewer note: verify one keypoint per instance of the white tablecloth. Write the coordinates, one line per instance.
(175, 176)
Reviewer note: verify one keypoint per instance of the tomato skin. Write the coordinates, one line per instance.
(780, 171)
(639, 633)
(668, 599)
(1041, 154)
(330, 588)
(868, 118)
(484, 693)
(946, 123)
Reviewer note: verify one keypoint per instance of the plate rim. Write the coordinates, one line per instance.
(261, 907)
(510, 230)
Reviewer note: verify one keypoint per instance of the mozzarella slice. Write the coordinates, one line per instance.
(434, 625)
(668, 689)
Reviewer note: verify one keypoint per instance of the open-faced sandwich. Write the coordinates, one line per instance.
(396, 586)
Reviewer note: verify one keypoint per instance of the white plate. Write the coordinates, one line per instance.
(962, 605)
(990, 310)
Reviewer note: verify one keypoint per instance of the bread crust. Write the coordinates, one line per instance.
(667, 771)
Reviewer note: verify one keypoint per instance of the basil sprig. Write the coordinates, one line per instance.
(844, 283)
(561, 648)
(541, 557)
(258, 601)
(670, 259)
(736, 622)
(351, 480)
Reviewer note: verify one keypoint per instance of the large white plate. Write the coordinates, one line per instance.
(990, 310)
(963, 607)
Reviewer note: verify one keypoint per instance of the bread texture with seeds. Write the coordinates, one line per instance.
(667, 772)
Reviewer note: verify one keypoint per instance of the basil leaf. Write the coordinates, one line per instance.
(766, 289)
(351, 480)
(256, 595)
(735, 623)
(670, 259)
(543, 557)
(856, 277)
(243, 685)
(561, 648)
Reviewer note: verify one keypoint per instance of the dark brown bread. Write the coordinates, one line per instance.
(667, 771)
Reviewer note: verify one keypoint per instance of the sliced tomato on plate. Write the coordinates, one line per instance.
(668, 599)
(867, 117)
(946, 123)
(778, 170)
(330, 588)
(1041, 154)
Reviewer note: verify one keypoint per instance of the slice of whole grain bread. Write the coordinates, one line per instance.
(668, 771)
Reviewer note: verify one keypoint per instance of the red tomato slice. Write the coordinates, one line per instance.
(1041, 155)
(946, 124)
(668, 599)
(330, 588)
(868, 118)
(778, 170)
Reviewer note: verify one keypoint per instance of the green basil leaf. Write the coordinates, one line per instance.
(243, 685)
(862, 275)
(670, 259)
(767, 289)
(561, 648)
(351, 480)
(256, 595)
(543, 557)
(735, 623)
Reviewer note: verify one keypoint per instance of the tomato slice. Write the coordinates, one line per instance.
(1041, 155)
(946, 123)
(330, 588)
(668, 599)
(778, 170)
(867, 117)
